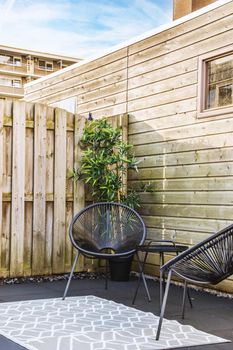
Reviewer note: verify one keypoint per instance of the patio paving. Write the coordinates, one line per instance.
(210, 313)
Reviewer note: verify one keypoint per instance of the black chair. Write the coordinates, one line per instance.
(208, 262)
(106, 231)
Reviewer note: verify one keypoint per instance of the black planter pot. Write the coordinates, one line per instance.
(120, 268)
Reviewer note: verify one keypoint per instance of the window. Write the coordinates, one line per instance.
(49, 66)
(11, 60)
(45, 65)
(17, 83)
(5, 81)
(17, 61)
(216, 85)
(10, 82)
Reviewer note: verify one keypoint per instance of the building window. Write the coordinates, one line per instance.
(216, 85)
(10, 82)
(17, 61)
(11, 60)
(17, 83)
(45, 65)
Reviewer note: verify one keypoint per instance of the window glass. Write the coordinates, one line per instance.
(220, 82)
(45, 65)
(6, 59)
(10, 82)
(17, 61)
(17, 83)
(49, 66)
(41, 64)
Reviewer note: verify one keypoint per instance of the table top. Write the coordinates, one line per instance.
(162, 248)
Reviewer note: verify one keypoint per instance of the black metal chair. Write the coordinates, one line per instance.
(208, 262)
(106, 231)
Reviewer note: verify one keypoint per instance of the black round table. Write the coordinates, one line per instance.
(159, 247)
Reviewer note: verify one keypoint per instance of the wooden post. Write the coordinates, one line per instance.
(18, 179)
(1, 170)
(124, 120)
(79, 192)
(79, 197)
(59, 192)
(39, 203)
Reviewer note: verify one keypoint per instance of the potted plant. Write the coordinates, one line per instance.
(105, 160)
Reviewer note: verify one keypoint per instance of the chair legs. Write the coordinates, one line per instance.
(163, 305)
(70, 277)
(141, 276)
(184, 298)
(106, 274)
(185, 294)
(189, 298)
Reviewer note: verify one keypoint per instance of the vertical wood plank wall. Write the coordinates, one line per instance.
(37, 200)
(188, 160)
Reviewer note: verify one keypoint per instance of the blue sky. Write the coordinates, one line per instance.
(79, 28)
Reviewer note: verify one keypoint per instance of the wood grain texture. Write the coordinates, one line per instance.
(2, 109)
(59, 191)
(18, 180)
(39, 189)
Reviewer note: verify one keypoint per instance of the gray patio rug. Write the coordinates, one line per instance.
(91, 323)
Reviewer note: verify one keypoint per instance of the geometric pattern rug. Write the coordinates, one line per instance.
(92, 323)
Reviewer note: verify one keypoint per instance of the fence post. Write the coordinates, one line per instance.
(59, 192)
(39, 200)
(18, 182)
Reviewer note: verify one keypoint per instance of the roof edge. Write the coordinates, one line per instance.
(38, 53)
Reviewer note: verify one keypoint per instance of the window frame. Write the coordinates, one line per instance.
(19, 80)
(19, 59)
(202, 112)
(45, 65)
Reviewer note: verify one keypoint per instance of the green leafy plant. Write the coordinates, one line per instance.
(105, 160)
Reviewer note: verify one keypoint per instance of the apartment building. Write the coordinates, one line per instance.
(19, 66)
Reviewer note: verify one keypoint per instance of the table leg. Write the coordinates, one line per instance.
(161, 278)
(141, 277)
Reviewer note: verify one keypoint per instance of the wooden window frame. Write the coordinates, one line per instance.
(202, 86)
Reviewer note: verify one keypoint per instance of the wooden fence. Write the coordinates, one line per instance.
(39, 146)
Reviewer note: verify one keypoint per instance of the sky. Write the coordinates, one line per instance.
(78, 28)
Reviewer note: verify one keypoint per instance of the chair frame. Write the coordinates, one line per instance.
(105, 256)
(187, 255)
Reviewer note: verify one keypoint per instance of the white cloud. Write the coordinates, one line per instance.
(77, 28)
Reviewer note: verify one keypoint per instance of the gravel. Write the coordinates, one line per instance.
(52, 278)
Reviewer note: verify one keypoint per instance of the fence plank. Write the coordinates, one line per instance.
(124, 119)
(79, 191)
(59, 192)
(18, 180)
(1, 172)
(39, 189)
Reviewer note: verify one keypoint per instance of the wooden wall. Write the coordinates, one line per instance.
(39, 146)
(189, 161)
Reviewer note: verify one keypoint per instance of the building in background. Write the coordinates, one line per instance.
(19, 66)
(184, 7)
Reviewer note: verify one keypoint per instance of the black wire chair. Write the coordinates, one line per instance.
(208, 262)
(106, 231)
